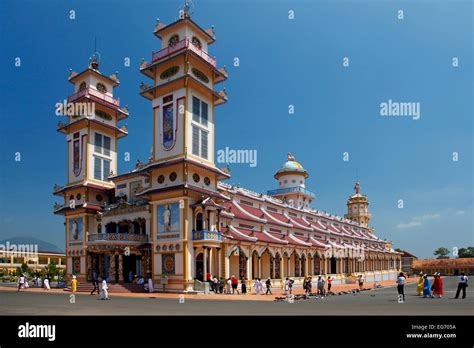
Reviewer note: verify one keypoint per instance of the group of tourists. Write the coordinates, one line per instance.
(428, 289)
(37, 282)
(435, 289)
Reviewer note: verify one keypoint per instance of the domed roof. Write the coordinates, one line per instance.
(291, 167)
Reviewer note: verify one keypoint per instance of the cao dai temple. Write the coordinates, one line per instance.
(174, 217)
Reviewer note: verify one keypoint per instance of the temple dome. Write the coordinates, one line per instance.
(291, 167)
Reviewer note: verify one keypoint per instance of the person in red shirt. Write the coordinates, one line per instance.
(235, 283)
(208, 276)
(329, 284)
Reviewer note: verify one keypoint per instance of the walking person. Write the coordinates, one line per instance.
(104, 293)
(361, 282)
(419, 288)
(290, 285)
(462, 285)
(243, 286)
(438, 290)
(235, 284)
(21, 282)
(329, 284)
(74, 284)
(309, 286)
(287, 286)
(46, 283)
(426, 287)
(268, 284)
(258, 286)
(95, 283)
(228, 286)
(401, 285)
(215, 284)
(221, 285)
(321, 283)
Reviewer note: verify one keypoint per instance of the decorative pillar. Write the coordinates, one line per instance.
(260, 267)
(112, 268)
(211, 263)
(249, 267)
(204, 261)
(218, 265)
(282, 276)
(288, 268)
(120, 268)
(227, 267)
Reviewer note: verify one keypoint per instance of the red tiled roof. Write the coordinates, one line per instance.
(268, 238)
(444, 263)
(291, 239)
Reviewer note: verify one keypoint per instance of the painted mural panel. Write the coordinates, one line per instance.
(168, 218)
(76, 229)
(167, 264)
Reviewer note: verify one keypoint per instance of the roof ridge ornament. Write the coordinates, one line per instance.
(291, 157)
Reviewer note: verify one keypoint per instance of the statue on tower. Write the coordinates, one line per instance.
(357, 187)
(291, 157)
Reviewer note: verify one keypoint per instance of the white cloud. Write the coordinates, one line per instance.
(460, 212)
(417, 221)
(426, 217)
(409, 225)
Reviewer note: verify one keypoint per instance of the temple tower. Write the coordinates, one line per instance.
(358, 207)
(291, 180)
(182, 171)
(92, 132)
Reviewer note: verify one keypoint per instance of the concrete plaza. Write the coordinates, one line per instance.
(373, 302)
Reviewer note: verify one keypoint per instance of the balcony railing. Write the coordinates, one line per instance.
(118, 237)
(95, 94)
(207, 235)
(291, 190)
(182, 45)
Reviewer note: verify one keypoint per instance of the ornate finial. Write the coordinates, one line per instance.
(357, 187)
(186, 10)
(94, 61)
(291, 157)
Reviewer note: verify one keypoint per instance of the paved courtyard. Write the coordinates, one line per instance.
(373, 302)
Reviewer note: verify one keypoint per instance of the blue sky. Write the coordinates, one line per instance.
(282, 62)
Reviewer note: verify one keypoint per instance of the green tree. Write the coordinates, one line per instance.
(442, 253)
(51, 270)
(23, 269)
(466, 252)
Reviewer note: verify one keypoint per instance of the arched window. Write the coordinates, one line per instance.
(195, 41)
(101, 87)
(82, 86)
(174, 39)
(111, 227)
(136, 227)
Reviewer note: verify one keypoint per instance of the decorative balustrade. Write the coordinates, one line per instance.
(118, 237)
(207, 235)
(182, 45)
(95, 94)
(290, 190)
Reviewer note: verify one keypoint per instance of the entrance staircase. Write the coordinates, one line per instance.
(113, 288)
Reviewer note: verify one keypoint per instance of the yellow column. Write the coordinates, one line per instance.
(211, 263)
(185, 237)
(259, 267)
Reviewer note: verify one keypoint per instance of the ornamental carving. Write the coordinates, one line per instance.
(200, 75)
(170, 72)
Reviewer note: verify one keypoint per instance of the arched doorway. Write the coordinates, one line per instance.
(200, 267)
(199, 224)
(333, 265)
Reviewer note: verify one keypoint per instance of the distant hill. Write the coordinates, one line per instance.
(42, 245)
